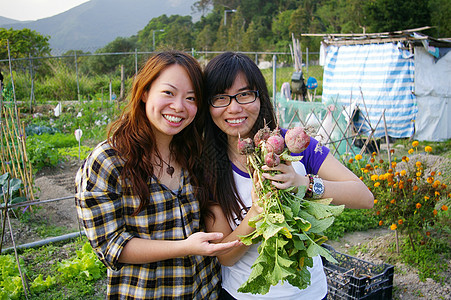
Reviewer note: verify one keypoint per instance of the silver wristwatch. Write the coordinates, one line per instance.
(317, 188)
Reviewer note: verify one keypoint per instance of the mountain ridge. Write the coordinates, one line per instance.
(93, 24)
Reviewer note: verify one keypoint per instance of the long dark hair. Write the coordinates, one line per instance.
(132, 136)
(220, 74)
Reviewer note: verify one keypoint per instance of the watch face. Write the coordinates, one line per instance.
(318, 188)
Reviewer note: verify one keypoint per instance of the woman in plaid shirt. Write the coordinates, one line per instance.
(137, 197)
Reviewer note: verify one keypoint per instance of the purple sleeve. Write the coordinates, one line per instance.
(312, 160)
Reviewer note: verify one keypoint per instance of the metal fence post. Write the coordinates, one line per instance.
(76, 74)
(274, 77)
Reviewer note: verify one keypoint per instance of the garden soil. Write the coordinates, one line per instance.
(374, 245)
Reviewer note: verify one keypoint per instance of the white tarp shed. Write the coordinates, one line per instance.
(406, 77)
(433, 93)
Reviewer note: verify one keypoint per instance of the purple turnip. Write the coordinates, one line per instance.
(275, 143)
(245, 146)
(272, 159)
(262, 135)
(297, 139)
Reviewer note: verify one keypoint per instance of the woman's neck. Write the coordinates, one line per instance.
(235, 157)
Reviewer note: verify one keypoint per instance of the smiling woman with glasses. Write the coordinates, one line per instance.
(242, 98)
(236, 76)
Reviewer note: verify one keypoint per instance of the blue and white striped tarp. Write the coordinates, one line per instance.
(375, 77)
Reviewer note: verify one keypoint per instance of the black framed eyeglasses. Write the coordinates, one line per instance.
(242, 98)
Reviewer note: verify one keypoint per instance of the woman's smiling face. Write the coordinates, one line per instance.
(237, 119)
(170, 101)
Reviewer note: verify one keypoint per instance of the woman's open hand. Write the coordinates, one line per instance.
(199, 244)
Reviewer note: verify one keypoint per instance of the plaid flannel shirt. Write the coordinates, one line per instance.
(105, 205)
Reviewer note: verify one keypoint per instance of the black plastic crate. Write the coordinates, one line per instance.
(353, 278)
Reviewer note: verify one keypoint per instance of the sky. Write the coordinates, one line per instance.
(31, 10)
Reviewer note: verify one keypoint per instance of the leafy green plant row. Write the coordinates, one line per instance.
(49, 275)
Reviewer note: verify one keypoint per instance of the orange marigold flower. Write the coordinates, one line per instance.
(415, 144)
(390, 170)
(435, 212)
(407, 159)
(396, 173)
(430, 180)
(428, 149)
(400, 221)
(437, 193)
(368, 166)
(378, 213)
(392, 201)
(358, 157)
(449, 195)
(404, 158)
(418, 205)
(419, 174)
(437, 182)
(376, 184)
(428, 233)
(426, 198)
(365, 171)
(375, 201)
(392, 151)
(373, 154)
(393, 164)
(393, 227)
(351, 160)
(444, 207)
(410, 151)
(415, 188)
(381, 223)
(444, 186)
(418, 164)
(361, 177)
(433, 173)
(439, 173)
(401, 185)
(403, 172)
(381, 161)
(374, 177)
(382, 177)
(372, 160)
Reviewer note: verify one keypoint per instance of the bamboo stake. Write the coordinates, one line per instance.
(16, 155)
(24, 282)
(10, 156)
(29, 174)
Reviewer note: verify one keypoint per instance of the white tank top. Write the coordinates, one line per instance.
(233, 277)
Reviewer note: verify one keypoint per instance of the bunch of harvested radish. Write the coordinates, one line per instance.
(290, 228)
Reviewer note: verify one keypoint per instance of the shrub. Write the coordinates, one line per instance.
(408, 193)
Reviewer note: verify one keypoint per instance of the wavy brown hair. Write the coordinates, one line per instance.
(132, 136)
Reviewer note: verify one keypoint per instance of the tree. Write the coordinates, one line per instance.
(202, 6)
(106, 64)
(23, 43)
(393, 15)
(441, 18)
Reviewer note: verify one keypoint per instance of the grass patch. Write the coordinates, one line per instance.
(351, 220)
